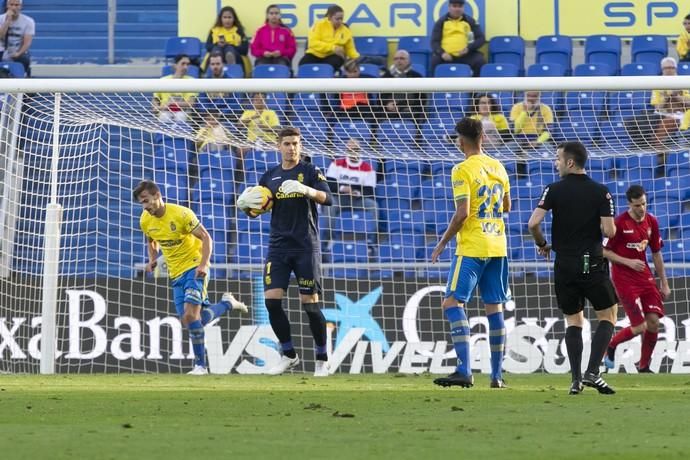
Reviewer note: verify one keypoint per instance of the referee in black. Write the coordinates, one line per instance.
(581, 208)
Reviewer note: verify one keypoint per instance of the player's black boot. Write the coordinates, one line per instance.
(455, 379)
(498, 383)
(645, 370)
(595, 381)
(576, 388)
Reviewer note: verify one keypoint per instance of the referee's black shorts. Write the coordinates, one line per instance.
(573, 286)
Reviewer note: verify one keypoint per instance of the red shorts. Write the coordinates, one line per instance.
(640, 300)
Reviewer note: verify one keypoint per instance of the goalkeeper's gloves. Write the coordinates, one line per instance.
(251, 198)
(293, 186)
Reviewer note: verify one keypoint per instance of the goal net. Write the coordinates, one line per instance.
(73, 294)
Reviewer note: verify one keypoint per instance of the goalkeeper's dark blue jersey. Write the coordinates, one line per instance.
(294, 219)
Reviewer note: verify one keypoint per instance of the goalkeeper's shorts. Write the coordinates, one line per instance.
(489, 273)
(187, 288)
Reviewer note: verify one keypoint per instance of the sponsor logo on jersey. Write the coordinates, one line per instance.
(300, 177)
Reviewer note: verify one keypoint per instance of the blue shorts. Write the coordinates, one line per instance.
(489, 273)
(306, 267)
(187, 288)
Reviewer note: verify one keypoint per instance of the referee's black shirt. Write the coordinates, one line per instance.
(577, 203)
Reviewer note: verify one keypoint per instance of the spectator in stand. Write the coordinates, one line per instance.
(531, 120)
(403, 105)
(227, 37)
(352, 182)
(274, 42)
(683, 42)
(175, 106)
(219, 101)
(494, 123)
(457, 38)
(355, 105)
(260, 121)
(213, 136)
(330, 41)
(17, 31)
(216, 66)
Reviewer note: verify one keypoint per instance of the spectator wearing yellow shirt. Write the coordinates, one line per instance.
(261, 122)
(494, 123)
(213, 136)
(175, 106)
(330, 40)
(531, 120)
(227, 37)
(456, 38)
(683, 42)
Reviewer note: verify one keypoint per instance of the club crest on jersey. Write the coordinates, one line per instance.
(173, 227)
(300, 178)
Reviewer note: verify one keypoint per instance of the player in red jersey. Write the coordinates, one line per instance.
(634, 282)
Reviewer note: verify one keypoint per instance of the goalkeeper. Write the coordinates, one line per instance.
(294, 245)
(186, 245)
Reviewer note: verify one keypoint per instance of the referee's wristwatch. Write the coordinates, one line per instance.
(543, 244)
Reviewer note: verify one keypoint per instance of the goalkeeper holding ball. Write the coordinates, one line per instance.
(294, 244)
(186, 245)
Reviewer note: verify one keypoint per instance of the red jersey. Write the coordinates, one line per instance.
(631, 241)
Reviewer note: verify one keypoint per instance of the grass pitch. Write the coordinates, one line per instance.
(340, 417)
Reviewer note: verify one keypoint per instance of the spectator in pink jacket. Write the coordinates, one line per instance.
(274, 42)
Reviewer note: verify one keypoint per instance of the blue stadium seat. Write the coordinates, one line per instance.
(214, 216)
(306, 102)
(315, 71)
(591, 101)
(271, 71)
(406, 221)
(499, 70)
(230, 71)
(397, 135)
(406, 167)
(453, 70)
(442, 168)
(314, 128)
(370, 70)
(437, 214)
(649, 48)
(401, 247)
(192, 71)
(251, 248)
(638, 69)
(546, 70)
(435, 133)
(173, 186)
(278, 101)
(627, 104)
(356, 129)
(372, 46)
(15, 69)
(417, 67)
(172, 155)
(261, 160)
(322, 162)
(604, 49)
(400, 186)
(359, 223)
(437, 188)
(449, 105)
(678, 163)
(350, 251)
(600, 169)
(216, 185)
(593, 70)
(508, 50)
(684, 68)
(222, 159)
(418, 47)
(191, 46)
(555, 49)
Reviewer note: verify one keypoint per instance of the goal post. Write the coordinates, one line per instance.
(73, 295)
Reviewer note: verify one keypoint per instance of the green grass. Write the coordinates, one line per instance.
(342, 417)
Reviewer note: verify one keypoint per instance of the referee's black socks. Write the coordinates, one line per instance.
(280, 325)
(600, 341)
(573, 343)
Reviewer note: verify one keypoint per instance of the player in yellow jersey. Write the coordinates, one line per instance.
(481, 191)
(186, 245)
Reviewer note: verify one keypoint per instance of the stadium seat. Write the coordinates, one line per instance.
(192, 71)
(216, 185)
(638, 69)
(397, 135)
(401, 247)
(314, 124)
(436, 134)
(370, 70)
(683, 68)
(508, 50)
(376, 47)
(271, 71)
(499, 70)
(278, 101)
(315, 71)
(191, 46)
(306, 103)
(590, 101)
(251, 248)
(350, 251)
(172, 155)
(222, 159)
(173, 186)
(230, 71)
(406, 167)
(555, 49)
(449, 105)
(406, 221)
(593, 70)
(418, 47)
(437, 214)
(604, 49)
(649, 48)
(261, 160)
(214, 217)
(546, 70)
(356, 129)
(600, 169)
(359, 223)
(437, 188)
(627, 104)
(15, 69)
(453, 70)
(419, 68)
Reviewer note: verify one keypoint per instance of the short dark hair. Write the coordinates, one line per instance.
(145, 186)
(469, 128)
(333, 9)
(215, 54)
(687, 17)
(576, 151)
(179, 57)
(634, 192)
(287, 132)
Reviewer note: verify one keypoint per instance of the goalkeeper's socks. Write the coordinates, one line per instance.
(321, 353)
(460, 335)
(600, 342)
(279, 320)
(317, 324)
(623, 335)
(573, 343)
(648, 343)
(214, 311)
(288, 349)
(497, 339)
(196, 333)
